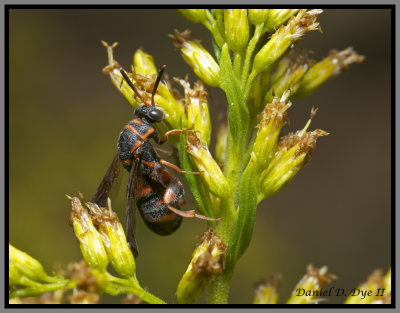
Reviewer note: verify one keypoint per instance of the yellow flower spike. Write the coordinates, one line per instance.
(220, 145)
(201, 61)
(144, 63)
(293, 152)
(114, 240)
(27, 266)
(236, 29)
(258, 16)
(90, 242)
(211, 172)
(194, 15)
(331, 66)
(266, 291)
(388, 281)
(309, 289)
(277, 17)
(207, 261)
(283, 38)
(272, 118)
(196, 107)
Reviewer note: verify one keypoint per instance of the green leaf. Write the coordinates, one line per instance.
(238, 121)
(241, 236)
(190, 178)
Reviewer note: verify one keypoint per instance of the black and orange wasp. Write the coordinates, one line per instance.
(151, 188)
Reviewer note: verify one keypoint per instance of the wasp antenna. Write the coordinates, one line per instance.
(160, 72)
(129, 82)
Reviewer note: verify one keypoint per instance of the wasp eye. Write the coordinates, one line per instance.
(156, 114)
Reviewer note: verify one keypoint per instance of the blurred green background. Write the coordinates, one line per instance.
(65, 118)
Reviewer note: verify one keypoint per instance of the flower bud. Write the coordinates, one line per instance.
(374, 282)
(203, 64)
(277, 17)
(267, 290)
(90, 242)
(329, 67)
(283, 38)
(194, 15)
(314, 280)
(27, 266)
(144, 63)
(236, 29)
(212, 174)
(297, 66)
(14, 276)
(293, 152)
(258, 16)
(114, 240)
(272, 118)
(196, 107)
(207, 261)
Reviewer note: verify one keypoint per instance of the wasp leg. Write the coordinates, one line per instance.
(163, 151)
(177, 168)
(172, 132)
(191, 214)
(173, 195)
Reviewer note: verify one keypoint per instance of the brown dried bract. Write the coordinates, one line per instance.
(208, 262)
(82, 274)
(272, 281)
(180, 38)
(83, 297)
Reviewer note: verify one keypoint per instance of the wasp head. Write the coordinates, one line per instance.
(151, 113)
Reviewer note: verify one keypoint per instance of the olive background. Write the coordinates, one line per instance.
(65, 117)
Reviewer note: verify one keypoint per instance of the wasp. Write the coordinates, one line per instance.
(151, 187)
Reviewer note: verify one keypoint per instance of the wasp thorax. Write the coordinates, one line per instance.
(150, 113)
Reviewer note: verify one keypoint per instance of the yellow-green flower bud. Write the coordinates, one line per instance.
(14, 276)
(114, 240)
(258, 16)
(201, 61)
(207, 261)
(283, 38)
(329, 67)
(374, 285)
(27, 266)
(144, 63)
(220, 145)
(293, 152)
(212, 174)
(236, 29)
(173, 111)
(194, 15)
(272, 118)
(90, 242)
(267, 290)
(311, 283)
(297, 66)
(277, 17)
(196, 107)
(388, 281)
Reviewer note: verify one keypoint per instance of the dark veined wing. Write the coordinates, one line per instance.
(103, 191)
(130, 229)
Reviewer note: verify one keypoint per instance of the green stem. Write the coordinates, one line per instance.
(38, 289)
(116, 285)
(218, 291)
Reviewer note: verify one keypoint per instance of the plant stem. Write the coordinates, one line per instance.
(218, 291)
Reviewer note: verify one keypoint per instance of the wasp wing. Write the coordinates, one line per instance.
(103, 191)
(131, 209)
